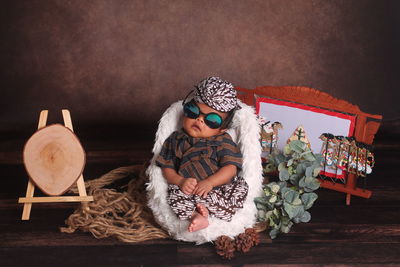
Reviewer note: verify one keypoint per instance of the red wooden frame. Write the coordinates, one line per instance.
(366, 124)
(351, 118)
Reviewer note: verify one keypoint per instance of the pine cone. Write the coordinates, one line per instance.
(243, 242)
(225, 247)
(255, 236)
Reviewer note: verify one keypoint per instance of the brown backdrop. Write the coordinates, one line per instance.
(124, 62)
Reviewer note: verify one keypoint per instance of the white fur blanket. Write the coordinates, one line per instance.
(246, 132)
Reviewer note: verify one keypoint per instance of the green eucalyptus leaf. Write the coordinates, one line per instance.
(274, 221)
(283, 212)
(290, 170)
(305, 217)
(315, 164)
(308, 190)
(261, 215)
(279, 158)
(292, 210)
(276, 213)
(297, 201)
(270, 206)
(290, 162)
(308, 155)
(296, 156)
(285, 229)
(308, 199)
(284, 175)
(273, 187)
(312, 183)
(292, 197)
(309, 171)
(319, 158)
(282, 185)
(273, 233)
(267, 193)
(297, 146)
(271, 222)
(266, 190)
(278, 203)
(268, 214)
(261, 206)
(297, 220)
(284, 190)
(263, 203)
(269, 168)
(300, 169)
(285, 220)
(294, 179)
(302, 182)
(316, 171)
(287, 150)
(261, 200)
(308, 164)
(281, 166)
(290, 224)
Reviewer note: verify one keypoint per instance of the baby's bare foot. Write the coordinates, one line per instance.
(198, 222)
(200, 208)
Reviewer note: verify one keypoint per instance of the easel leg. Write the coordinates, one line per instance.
(81, 186)
(28, 206)
(30, 189)
(348, 197)
(80, 182)
(43, 119)
(82, 191)
(351, 183)
(67, 119)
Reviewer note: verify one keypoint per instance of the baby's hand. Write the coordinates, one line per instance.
(188, 185)
(202, 188)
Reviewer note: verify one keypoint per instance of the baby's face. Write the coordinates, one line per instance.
(197, 128)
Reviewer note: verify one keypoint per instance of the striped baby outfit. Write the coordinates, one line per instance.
(199, 158)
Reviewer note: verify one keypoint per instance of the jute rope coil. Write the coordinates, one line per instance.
(123, 215)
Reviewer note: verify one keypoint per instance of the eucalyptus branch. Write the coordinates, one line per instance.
(287, 201)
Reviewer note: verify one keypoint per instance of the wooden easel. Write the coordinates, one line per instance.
(29, 199)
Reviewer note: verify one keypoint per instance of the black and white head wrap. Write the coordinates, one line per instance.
(217, 94)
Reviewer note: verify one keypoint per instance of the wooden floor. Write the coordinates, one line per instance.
(366, 233)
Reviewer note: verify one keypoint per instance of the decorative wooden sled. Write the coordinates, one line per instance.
(56, 194)
(366, 125)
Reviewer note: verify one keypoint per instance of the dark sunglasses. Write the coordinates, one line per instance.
(212, 120)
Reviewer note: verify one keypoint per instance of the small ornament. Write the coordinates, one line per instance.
(328, 157)
(269, 134)
(346, 154)
(353, 158)
(299, 134)
(343, 154)
(370, 161)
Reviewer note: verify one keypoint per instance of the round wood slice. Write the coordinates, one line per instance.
(54, 159)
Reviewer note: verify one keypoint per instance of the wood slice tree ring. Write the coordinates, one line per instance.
(54, 159)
